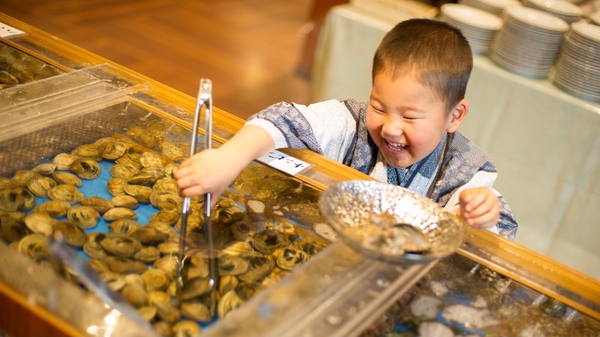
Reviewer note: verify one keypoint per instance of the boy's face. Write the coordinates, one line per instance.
(407, 120)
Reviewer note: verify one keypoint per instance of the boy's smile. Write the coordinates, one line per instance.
(407, 120)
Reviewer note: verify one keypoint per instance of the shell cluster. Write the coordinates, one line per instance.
(139, 260)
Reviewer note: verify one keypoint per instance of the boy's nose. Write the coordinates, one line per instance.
(391, 128)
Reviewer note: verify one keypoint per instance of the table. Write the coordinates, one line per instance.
(544, 141)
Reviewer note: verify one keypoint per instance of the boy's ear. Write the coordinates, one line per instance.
(457, 115)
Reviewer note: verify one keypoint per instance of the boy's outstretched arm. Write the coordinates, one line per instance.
(212, 171)
(479, 207)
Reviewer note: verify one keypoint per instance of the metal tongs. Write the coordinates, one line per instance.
(204, 99)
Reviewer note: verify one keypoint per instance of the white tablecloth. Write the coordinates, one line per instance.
(544, 141)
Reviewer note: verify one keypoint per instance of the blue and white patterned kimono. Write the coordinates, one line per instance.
(338, 130)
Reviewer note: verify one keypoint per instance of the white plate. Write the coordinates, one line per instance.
(575, 91)
(537, 18)
(557, 6)
(587, 30)
(497, 4)
(595, 18)
(472, 16)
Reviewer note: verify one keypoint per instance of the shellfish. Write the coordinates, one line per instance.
(68, 193)
(195, 287)
(13, 230)
(164, 306)
(83, 216)
(140, 135)
(44, 168)
(196, 310)
(290, 257)
(111, 149)
(165, 228)
(86, 168)
(229, 302)
(22, 176)
(259, 266)
(149, 235)
(147, 254)
(92, 247)
(123, 265)
(167, 217)
(147, 312)
(124, 171)
(126, 201)
(70, 233)
(89, 151)
(151, 159)
(155, 279)
(34, 246)
(40, 222)
(119, 213)
(10, 199)
(54, 208)
(63, 161)
(122, 246)
(172, 151)
(142, 179)
(168, 264)
(14, 199)
(310, 245)
(66, 178)
(123, 226)
(114, 281)
(227, 283)
(100, 204)
(269, 240)
(165, 200)
(229, 265)
(166, 185)
(116, 186)
(135, 295)
(186, 329)
(140, 192)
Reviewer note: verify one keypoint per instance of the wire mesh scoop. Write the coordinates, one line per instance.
(204, 99)
(389, 222)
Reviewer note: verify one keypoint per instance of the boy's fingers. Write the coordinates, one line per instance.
(476, 199)
(466, 196)
(486, 205)
(487, 219)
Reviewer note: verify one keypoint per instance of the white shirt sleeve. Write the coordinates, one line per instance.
(333, 125)
(479, 179)
(331, 122)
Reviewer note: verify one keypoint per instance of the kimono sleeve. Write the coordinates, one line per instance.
(327, 127)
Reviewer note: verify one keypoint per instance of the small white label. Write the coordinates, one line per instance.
(283, 162)
(6, 30)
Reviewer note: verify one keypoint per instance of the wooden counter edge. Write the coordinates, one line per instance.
(21, 318)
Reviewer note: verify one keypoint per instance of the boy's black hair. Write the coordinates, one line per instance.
(435, 53)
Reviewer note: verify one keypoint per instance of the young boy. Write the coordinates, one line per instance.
(405, 135)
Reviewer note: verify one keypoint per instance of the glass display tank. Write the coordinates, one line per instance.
(87, 155)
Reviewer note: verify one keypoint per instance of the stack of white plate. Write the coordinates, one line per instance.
(578, 64)
(595, 18)
(528, 42)
(477, 26)
(559, 8)
(491, 6)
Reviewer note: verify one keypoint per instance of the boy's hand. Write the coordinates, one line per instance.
(212, 171)
(209, 171)
(479, 207)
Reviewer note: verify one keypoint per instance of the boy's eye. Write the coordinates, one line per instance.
(376, 109)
